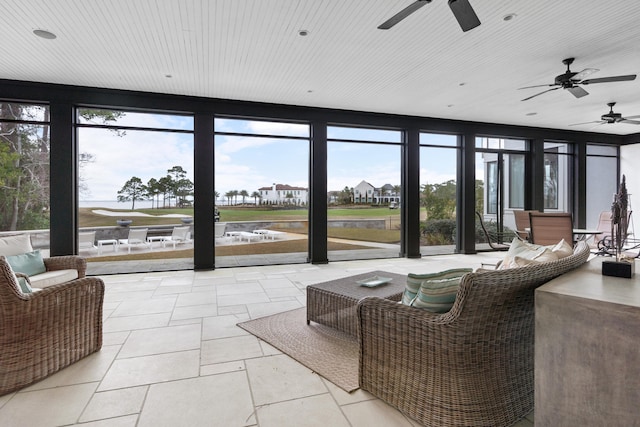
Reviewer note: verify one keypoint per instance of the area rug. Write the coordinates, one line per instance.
(326, 351)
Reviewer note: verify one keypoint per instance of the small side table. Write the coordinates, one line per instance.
(112, 242)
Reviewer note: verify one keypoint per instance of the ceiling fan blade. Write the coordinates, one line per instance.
(577, 91)
(632, 117)
(588, 123)
(630, 122)
(465, 14)
(584, 73)
(548, 90)
(626, 78)
(402, 14)
(531, 87)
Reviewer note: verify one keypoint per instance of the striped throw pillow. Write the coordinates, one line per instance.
(435, 291)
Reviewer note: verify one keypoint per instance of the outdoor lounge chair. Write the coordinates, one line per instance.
(498, 241)
(44, 331)
(178, 235)
(86, 240)
(137, 236)
(522, 223)
(219, 231)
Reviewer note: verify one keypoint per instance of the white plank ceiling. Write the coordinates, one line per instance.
(424, 66)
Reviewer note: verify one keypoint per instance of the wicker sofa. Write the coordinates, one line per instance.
(45, 331)
(471, 366)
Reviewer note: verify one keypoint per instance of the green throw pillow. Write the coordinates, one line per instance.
(24, 285)
(435, 291)
(30, 263)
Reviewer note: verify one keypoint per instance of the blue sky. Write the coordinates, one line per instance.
(248, 162)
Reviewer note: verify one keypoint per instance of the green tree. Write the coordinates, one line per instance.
(235, 193)
(153, 192)
(256, 195)
(164, 186)
(132, 190)
(345, 196)
(229, 195)
(439, 200)
(24, 163)
(244, 194)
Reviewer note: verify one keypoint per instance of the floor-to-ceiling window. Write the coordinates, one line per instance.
(438, 193)
(261, 192)
(558, 177)
(500, 183)
(602, 181)
(135, 185)
(24, 171)
(364, 200)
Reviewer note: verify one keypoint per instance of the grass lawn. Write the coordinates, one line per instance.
(89, 219)
(288, 246)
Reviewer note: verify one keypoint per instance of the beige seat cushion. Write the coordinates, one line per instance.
(52, 278)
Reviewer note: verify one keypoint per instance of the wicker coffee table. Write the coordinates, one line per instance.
(334, 303)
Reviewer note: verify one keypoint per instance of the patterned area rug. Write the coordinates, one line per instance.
(326, 351)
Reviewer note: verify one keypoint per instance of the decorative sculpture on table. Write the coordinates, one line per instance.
(619, 226)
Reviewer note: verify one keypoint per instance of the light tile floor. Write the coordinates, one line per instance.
(173, 355)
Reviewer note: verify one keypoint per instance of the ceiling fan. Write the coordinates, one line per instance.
(612, 117)
(570, 81)
(461, 9)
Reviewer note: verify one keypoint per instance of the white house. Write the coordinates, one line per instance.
(367, 193)
(283, 194)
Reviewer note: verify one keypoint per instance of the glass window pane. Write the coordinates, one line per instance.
(438, 139)
(259, 127)
(24, 172)
(438, 200)
(135, 181)
(602, 150)
(363, 134)
(104, 117)
(364, 200)
(24, 112)
(501, 144)
(516, 181)
(261, 192)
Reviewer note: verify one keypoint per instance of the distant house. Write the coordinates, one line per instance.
(367, 193)
(283, 194)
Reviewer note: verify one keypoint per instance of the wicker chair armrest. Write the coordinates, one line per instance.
(67, 262)
(49, 329)
(385, 320)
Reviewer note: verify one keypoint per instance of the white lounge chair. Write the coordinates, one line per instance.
(179, 235)
(137, 236)
(86, 240)
(219, 232)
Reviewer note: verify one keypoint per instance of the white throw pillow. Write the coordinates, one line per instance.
(15, 245)
(526, 251)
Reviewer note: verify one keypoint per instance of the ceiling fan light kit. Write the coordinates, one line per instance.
(462, 10)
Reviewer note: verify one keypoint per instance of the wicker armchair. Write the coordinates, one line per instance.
(472, 366)
(43, 332)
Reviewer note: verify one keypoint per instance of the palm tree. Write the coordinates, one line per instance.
(244, 194)
(229, 195)
(235, 193)
(255, 196)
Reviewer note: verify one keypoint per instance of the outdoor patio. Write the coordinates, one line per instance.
(173, 355)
